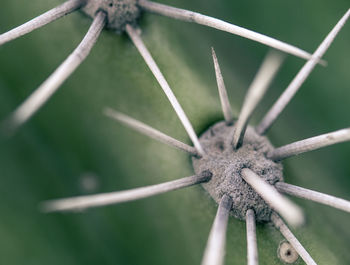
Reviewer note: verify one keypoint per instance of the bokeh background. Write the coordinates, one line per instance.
(69, 148)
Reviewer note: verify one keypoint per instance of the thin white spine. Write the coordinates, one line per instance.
(42, 94)
(103, 199)
(41, 20)
(299, 79)
(315, 196)
(252, 246)
(215, 250)
(290, 211)
(225, 103)
(282, 227)
(149, 131)
(268, 70)
(310, 144)
(189, 16)
(136, 38)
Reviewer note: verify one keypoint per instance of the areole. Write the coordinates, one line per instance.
(225, 163)
(119, 12)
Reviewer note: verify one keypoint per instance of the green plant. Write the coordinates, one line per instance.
(59, 140)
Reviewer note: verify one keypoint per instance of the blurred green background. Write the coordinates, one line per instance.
(69, 139)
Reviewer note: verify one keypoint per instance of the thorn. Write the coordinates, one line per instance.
(103, 199)
(299, 79)
(315, 196)
(41, 20)
(268, 70)
(44, 92)
(136, 39)
(309, 144)
(225, 103)
(189, 16)
(215, 249)
(252, 248)
(281, 226)
(290, 211)
(149, 131)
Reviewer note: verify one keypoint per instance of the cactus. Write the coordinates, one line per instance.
(69, 142)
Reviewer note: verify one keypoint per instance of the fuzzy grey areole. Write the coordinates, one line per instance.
(226, 164)
(119, 12)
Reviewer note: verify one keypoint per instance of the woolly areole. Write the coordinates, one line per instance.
(226, 164)
(119, 12)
